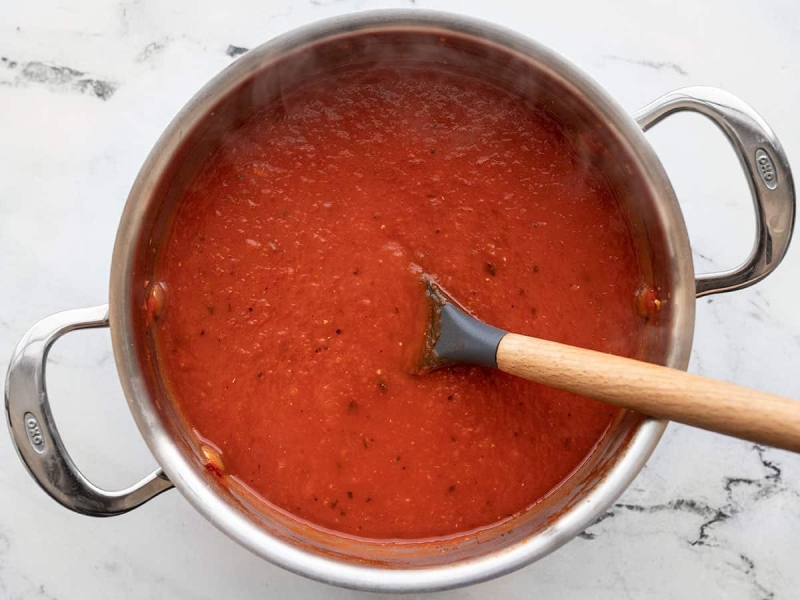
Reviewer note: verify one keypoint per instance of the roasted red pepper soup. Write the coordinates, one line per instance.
(291, 289)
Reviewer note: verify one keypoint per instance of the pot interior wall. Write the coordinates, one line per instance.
(271, 77)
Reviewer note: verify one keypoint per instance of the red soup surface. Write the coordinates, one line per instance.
(292, 295)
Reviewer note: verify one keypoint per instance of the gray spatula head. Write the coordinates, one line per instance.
(453, 336)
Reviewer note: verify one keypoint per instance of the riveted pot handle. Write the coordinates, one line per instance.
(767, 170)
(34, 432)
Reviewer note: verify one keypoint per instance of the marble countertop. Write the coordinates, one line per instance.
(85, 90)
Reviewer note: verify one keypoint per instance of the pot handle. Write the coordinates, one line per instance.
(34, 432)
(767, 170)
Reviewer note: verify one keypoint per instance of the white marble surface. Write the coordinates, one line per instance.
(709, 516)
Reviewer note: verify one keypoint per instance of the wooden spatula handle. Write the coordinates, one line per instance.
(655, 390)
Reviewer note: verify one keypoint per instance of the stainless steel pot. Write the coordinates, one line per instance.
(610, 137)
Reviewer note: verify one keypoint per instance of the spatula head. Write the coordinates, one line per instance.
(452, 335)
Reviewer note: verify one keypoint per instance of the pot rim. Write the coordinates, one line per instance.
(184, 475)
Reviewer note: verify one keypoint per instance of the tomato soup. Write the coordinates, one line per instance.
(291, 288)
